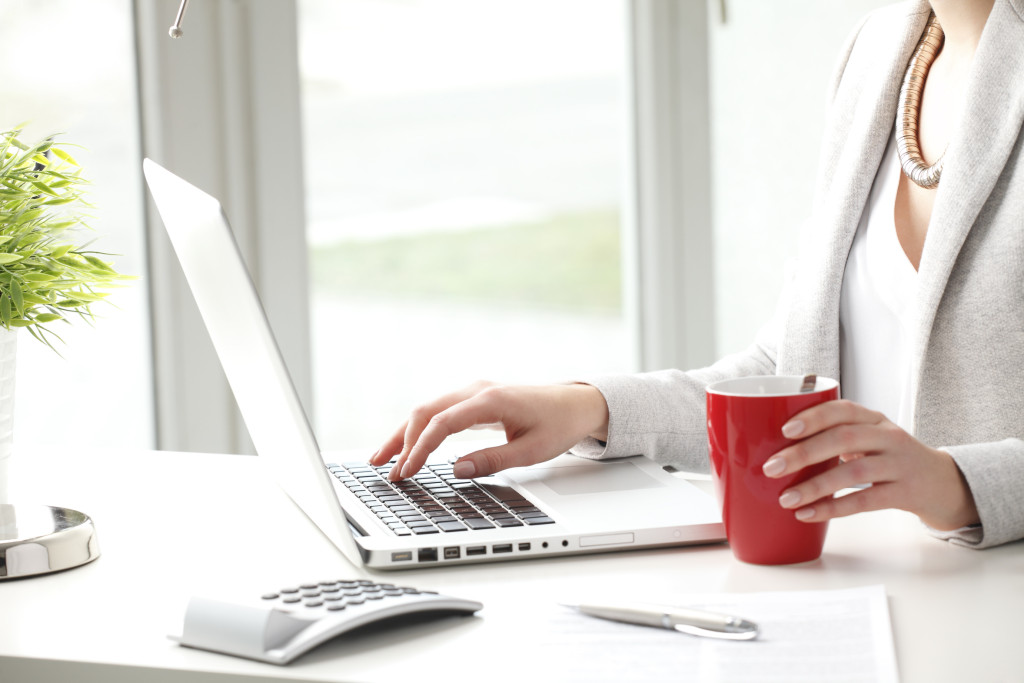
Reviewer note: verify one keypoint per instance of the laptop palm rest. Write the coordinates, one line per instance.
(581, 494)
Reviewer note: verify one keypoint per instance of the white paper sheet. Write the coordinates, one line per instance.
(814, 636)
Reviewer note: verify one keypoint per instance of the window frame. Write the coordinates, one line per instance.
(209, 103)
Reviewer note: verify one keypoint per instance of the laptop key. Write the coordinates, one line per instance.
(414, 524)
(508, 522)
(477, 523)
(425, 530)
(450, 526)
(533, 521)
(411, 517)
(502, 492)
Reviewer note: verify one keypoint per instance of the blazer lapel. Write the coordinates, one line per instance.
(861, 121)
(975, 157)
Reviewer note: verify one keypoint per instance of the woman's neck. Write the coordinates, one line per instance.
(962, 22)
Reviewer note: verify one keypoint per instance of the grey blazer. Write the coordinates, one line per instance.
(968, 330)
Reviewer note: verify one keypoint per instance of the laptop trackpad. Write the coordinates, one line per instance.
(573, 481)
(590, 490)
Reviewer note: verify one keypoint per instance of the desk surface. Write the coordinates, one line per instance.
(174, 524)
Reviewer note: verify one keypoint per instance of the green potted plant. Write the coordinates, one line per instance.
(46, 277)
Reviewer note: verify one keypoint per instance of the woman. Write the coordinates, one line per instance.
(909, 288)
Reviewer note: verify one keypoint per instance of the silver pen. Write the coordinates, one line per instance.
(692, 621)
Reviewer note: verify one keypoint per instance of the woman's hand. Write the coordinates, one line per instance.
(540, 423)
(903, 472)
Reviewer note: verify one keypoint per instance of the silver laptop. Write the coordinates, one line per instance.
(568, 505)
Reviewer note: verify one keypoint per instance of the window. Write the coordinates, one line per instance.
(463, 178)
(74, 74)
(763, 165)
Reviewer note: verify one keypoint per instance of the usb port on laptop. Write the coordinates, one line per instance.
(503, 548)
(476, 550)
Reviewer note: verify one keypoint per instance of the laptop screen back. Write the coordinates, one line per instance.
(248, 352)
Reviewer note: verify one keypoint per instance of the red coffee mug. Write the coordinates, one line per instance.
(745, 418)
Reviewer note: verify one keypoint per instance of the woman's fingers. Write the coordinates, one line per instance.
(390, 448)
(826, 415)
(867, 470)
(403, 440)
(515, 453)
(484, 407)
(825, 445)
(877, 497)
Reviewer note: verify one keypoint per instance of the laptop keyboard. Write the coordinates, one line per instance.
(434, 501)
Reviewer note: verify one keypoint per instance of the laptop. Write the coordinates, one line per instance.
(565, 506)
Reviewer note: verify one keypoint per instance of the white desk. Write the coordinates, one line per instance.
(172, 524)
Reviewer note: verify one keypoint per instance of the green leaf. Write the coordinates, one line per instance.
(48, 317)
(5, 310)
(21, 322)
(64, 156)
(17, 297)
(102, 265)
(43, 187)
(59, 200)
(9, 258)
(91, 296)
(38, 277)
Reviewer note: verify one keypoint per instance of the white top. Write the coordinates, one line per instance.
(875, 305)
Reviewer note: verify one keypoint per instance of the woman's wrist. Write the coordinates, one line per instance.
(594, 408)
(958, 509)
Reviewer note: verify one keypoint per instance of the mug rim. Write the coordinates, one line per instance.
(721, 388)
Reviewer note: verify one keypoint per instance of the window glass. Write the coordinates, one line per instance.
(768, 99)
(463, 180)
(69, 69)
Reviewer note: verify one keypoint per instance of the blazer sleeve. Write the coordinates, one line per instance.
(995, 475)
(662, 414)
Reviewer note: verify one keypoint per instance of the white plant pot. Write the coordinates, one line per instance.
(8, 362)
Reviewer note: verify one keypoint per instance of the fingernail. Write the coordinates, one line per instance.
(789, 499)
(774, 467)
(395, 474)
(464, 469)
(374, 456)
(406, 469)
(805, 514)
(793, 429)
